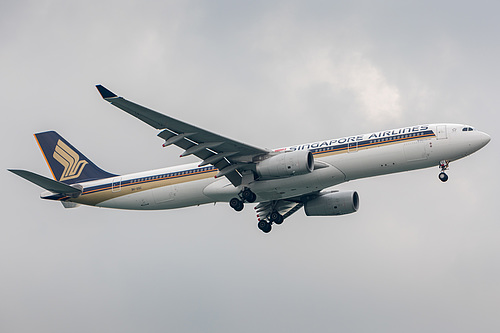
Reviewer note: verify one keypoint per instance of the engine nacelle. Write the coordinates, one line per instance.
(286, 164)
(336, 203)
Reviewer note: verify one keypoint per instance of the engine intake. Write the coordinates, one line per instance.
(286, 164)
(334, 203)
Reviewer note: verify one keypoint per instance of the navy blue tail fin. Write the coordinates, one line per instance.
(65, 162)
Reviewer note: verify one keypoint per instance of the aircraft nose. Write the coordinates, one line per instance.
(482, 140)
(485, 138)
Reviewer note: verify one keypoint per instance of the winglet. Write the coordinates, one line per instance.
(105, 93)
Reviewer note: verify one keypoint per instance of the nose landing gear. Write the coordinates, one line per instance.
(443, 177)
(443, 165)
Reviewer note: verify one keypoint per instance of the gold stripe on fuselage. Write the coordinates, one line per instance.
(94, 197)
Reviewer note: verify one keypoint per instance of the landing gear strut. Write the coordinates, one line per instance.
(444, 166)
(246, 195)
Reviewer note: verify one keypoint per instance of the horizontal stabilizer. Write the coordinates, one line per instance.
(46, 183)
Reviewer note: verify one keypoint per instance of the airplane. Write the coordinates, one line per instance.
(280, 181)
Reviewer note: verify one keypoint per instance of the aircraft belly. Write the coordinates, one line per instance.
(298, 185)
(136, 201)
(165, 197)
(281, 188)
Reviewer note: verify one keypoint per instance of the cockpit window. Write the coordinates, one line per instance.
(467, 129)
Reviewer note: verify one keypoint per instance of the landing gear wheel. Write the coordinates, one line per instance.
(443, 177)
(236, 204)
(248, 195)
(264, 226)
(276, 217)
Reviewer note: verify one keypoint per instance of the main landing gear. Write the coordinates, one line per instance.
(236, 204)
(273, 217)
(444, 166)
(246, 195)
(264, 226)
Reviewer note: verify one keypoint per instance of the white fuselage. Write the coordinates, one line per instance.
(336, 161)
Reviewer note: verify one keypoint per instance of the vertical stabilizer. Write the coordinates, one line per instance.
(65, 162)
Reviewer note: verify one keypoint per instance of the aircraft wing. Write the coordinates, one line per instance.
(227, 155)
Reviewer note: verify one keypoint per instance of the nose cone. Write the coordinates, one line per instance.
(481, 140)
(485, 139)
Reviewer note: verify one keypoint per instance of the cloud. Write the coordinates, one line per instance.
(356, 76)
(302, 63)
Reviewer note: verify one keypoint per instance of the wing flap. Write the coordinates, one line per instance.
(284, 207)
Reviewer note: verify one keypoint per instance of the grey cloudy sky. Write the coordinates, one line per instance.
(419, 256)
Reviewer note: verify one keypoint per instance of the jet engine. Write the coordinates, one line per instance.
(333, 203)
(286, 164)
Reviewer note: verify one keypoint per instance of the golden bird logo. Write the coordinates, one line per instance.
(70, 160)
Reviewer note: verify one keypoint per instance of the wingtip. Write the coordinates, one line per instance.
(18, 172)
(105, 93)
